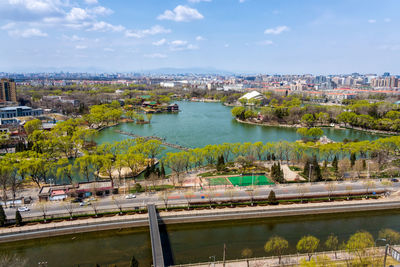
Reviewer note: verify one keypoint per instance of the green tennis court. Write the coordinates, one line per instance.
(249, 180)
(218, 181)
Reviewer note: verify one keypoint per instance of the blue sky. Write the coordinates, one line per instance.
(255, 36)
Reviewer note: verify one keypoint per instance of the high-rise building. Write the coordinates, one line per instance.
(8, 90)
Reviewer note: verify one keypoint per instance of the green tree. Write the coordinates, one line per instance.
(272, 198)
(332, 243)
(18, 218)
(358, 244)
(3, 217)
(307, 244)
(32, 126)
(277, 246)
(392, 237)
(353, 159)
(238, 112)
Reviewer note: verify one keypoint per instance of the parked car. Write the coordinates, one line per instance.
(76, 200)
(22, 209)
(394, 180)
(85, 204)
(130, 196)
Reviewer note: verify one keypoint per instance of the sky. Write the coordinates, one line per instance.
(242, 36)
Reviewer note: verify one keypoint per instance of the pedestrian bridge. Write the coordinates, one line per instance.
(156, 248)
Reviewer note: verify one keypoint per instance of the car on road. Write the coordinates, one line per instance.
(130, 196)
(394, 180)
(22, 209)
(85, 204)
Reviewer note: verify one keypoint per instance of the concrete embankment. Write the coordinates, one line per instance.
(191, 216)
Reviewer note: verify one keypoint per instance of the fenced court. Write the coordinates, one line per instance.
(250, 180)
(218, 181)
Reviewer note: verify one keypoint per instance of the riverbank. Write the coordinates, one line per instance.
(370, 131)
(335, 257)
(89, 224)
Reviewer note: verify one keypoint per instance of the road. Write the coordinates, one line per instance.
(182, 198)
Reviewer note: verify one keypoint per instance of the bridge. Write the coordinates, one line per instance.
(156, 248)
(176, 146)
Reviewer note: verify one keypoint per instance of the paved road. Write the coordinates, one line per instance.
(285, 190)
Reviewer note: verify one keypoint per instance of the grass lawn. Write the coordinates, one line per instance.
(248, 180)
(218, 181)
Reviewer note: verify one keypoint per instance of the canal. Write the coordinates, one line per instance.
(196, 242)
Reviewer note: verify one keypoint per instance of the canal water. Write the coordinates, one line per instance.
(198, 241)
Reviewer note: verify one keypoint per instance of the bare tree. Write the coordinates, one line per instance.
(368, 184)
(210, 195)
(118, 203)
(43, 206)
(349, 189)
(302, 190)
(231, 193)
(94, 206)
(188, 196)
(330, 187)
(70, 207)
(164, 195)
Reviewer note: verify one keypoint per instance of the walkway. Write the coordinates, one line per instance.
(156, 248)
(176, 146)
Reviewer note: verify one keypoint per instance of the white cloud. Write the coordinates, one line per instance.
(8, 26)
(181, 14)
(200, 38)
(160, 42)
(226, 45)
(277, 30)
(372, 21)
(157, 29)
(104, 26)
(91, 2)
(242, 1)
(108, 49)
(198, 1)
(32, 32)
(387, 20)
(77, 14)
(73, 38)
(156, 55)
(101, 10)
(265, 42)
(80, 47)
(37, 6)
(180, 45)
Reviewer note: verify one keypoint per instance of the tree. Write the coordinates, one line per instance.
(32, 126)
(331, 187)
(70, 207)
(277, 245)
(134, 262)
(308, 244)
(3, 217)
(358, 244)
(18, 218)
(392, 237)
(272, 198)
(335, 163)
(353, 159)
(332, 243)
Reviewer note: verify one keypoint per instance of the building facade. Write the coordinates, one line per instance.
(8, 90)
(20, 111)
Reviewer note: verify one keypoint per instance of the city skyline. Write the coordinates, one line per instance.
(241, 36)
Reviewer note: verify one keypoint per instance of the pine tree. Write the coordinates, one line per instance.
(353, 159)
(272, 198)
(306, 170)
(18, 218)
(134, 262)
(162, 171)
(316, 170)
(273, 157)
(147, 172)
(3, 217)
(335, 163)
